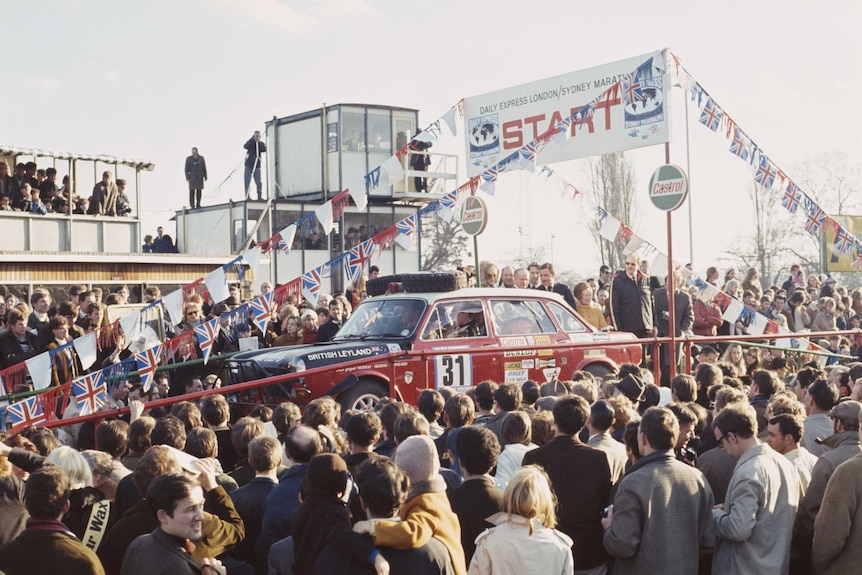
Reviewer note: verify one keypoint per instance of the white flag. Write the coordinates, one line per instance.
(217, 285)
(324, 216)
(40, 370)
(85, 347)
(173, 302)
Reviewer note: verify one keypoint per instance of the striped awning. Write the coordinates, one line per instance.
(39, 153)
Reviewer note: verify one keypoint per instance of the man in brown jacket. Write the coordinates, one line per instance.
(838, 527)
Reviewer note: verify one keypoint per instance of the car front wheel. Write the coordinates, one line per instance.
(363, 396)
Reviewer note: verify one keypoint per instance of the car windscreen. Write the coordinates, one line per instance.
(383, 318)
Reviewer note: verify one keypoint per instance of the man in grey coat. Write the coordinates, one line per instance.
(196, 175)
(755, 523)
(662, 516)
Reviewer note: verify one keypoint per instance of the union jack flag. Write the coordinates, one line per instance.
(358, 257)
(406, 226)
(449, 200)
(792, 198)
(844, 241)
(490, 175)
(147, 364)
(283, 245)
(738, 146)
(765, 175)
(632, 88)
(528, 152)
(311, 284)
(261, 310)
(90, 392)
(26, 412)
(816, 217)
(207, 333)
(711, 115)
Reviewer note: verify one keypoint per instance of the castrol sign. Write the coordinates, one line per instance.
(668, 187)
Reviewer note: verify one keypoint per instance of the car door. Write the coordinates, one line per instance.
(462, 351)
(522, 323)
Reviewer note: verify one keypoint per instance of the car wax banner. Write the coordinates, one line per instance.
(635, 115)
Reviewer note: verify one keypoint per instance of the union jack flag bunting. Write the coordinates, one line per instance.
(765, 175)
(738, 146)
(311, 284)
(147, 364)
(816, 217)
(447, 205)
(282, 245)
(711, 115)
(792, 198)
(26, 412)
(449, 200)
(844, 241)
(632, 88)
(207, 333)
(489, 177)
(90, 392)
(407, 226)
(358, 257)
(261, 310)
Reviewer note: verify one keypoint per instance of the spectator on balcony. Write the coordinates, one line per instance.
(21, 198)
(36, 206)
(5, 179)
(5, 203)
(124, 208)
(48, 188)
(164, 244)
(104, 197)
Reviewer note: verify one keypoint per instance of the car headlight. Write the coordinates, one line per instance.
(298, 365)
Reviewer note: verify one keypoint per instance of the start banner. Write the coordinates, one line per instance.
(632, 115)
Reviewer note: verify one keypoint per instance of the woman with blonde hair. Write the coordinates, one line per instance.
(752, 283)
(589, 309)
(734, 356)
(523, 539)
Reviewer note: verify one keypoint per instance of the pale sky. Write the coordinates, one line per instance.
(151, 79)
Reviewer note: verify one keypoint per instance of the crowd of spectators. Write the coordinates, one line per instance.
(747, 464)
(35, 191)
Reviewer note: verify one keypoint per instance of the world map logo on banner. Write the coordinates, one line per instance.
(644, 106)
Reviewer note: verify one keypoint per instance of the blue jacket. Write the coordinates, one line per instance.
(281, 504)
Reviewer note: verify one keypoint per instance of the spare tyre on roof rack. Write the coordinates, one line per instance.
(434, 281)
(379, 285)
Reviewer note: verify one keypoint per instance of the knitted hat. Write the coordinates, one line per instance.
(327, 474)
(417, 457)
(632, 387)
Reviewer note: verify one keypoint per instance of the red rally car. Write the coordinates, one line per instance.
(414, 340)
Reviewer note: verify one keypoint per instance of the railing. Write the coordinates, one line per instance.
(686, 343)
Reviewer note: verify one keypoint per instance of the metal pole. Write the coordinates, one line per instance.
(671, 320)
(476, 259)
(690, 195)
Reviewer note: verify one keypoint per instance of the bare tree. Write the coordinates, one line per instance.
(444, 244)
(613, 185)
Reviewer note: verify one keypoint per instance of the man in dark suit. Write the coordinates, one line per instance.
(264, 454)
(581, 478)
(631, 300)
(546, 277)
(477, 498)
(683, 319)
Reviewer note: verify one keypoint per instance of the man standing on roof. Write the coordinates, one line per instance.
(253, 148)
(196, 175)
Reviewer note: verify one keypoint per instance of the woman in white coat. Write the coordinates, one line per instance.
(523, 540)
